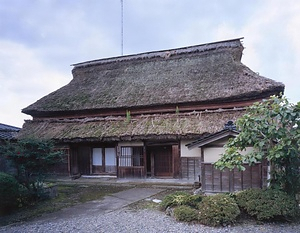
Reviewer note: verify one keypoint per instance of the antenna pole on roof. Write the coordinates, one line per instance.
(122, 27)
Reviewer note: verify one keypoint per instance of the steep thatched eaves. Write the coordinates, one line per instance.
(146, 127)
(198, 74)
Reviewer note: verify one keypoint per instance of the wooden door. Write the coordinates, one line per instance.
(84, 158)
(163, 166)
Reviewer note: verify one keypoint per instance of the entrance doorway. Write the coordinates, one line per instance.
(160, 161)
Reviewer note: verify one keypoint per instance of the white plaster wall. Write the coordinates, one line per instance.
(213, 154)
(186, 152)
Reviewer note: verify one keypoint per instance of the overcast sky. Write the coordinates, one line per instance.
(40, 39)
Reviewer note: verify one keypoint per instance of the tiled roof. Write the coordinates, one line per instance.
(8, 131)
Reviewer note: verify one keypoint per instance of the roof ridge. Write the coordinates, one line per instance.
(4, 127)
(166, 53)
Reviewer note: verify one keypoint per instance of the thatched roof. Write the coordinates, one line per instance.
(208, 73)
(146, 127)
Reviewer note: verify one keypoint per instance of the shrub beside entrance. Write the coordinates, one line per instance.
(268, 204)
(223, 209)
(213, 210)
(218, 210)
(9, 193)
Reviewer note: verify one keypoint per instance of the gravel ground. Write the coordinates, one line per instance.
(128, 220)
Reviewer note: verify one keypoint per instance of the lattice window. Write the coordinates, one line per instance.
(131, 156)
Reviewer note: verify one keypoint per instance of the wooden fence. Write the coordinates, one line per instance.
(214, 180)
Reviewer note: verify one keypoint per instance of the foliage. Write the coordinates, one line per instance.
(180, 198)
(185, 213)
(9, 192)
(268, 204)
(32, 158)
(128, 116)
(174, 199)
(272, 128)
(192, 200)
(218, 210)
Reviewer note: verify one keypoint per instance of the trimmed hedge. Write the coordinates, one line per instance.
(218, 210)
(268, 204)
(174, 199)
(185, 213)
(180, 198)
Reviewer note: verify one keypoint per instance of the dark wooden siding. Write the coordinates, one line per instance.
(61, 168)
(131, 172)
(214, 180)
(190, 168)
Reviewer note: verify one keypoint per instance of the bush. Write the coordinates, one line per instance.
(9, 192)
(193, 200)
(181, 198)
(174, 199)
(268, 204)
(185, 213)
(218, 210)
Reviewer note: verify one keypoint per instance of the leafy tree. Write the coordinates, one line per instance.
(272, 127)
(32, 158)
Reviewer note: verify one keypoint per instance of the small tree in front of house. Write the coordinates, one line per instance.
(32, 158)
(272, 127)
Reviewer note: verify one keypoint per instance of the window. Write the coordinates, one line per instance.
(97, 156)
(110, 156)
(131, 156)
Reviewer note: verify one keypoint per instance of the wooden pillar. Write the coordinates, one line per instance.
(202, 171)
(118, 156)
(145, 160)
(152, 164)
(103, 159)
(176, 159)
(91, 160)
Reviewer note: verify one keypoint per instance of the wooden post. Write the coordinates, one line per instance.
(152, 164)
(175, 158)
(145, 160)
(118, 156)
(103, 159)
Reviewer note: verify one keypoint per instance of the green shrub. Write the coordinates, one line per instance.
(181, 198)
(243, 197)
(268, 204)
(185, 213)
(174, 199)
(192, 200)
(9, 192)
(218, 210)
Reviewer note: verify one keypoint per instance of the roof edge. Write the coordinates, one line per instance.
(9, 128)
(212, 138)
(165, 53)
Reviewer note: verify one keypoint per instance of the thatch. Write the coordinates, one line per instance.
(199, 74)
(164, 126)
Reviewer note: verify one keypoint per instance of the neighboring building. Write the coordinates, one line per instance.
(210, 148)
(132, 116)
(8, 132)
